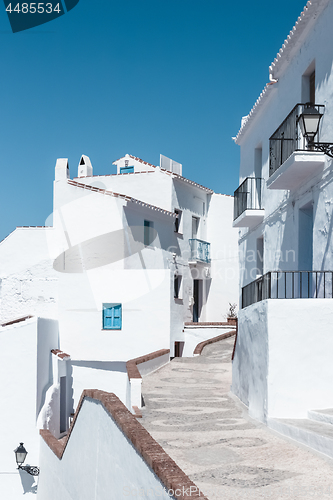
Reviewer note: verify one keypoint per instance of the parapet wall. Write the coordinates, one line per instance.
(108, 455)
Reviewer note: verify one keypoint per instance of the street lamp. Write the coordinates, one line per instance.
(309, 121)
(20, 455)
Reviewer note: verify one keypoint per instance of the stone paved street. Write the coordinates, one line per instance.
(191, 413)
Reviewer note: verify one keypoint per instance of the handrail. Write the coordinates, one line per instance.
(289, 285)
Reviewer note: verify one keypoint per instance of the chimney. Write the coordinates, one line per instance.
(85, 168)
(61, 169)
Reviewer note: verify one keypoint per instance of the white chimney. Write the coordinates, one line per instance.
(85, 167)
(61, 169)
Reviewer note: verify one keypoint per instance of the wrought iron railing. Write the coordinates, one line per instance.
(288, 138)
(248, 196)
(200, 250)
(289, 285)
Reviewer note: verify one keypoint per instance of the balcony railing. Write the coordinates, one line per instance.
(288, 138)
(289, 285)
(248, 196)
(200, 250)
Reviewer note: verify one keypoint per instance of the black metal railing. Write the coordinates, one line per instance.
(288, 138)
(248, 196)
(289, 285)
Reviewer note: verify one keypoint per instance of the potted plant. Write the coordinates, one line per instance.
(232, 315)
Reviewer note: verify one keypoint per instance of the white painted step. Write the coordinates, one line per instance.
(314, 434)
(325, 415)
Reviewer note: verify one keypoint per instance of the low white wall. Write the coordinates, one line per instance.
(282, 366)
(144, 369)
(98, 462)
(300, 356)
(250, 364)
(153, 364)
(106, 376)
(193, 336)
(136, 394)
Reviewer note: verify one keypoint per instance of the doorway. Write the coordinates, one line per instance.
(197, 297)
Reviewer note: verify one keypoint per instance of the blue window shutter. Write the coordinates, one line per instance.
(126, 170)
(112, 317)
(117, 317)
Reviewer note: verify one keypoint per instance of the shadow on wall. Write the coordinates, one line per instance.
(28, 482)
(105, 249)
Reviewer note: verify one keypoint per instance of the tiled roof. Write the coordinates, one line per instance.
(17, 320)
(296, 36)
(87, 187)
(304, 22)
(173, 174)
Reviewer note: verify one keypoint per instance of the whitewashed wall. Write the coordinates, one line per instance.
(282, 366)
(250, 364)
(280, 227)
(28, 280)
(224, 283)
(102, 375)
(84, 220)
(23, 381)
(98, 462)
(194, 335)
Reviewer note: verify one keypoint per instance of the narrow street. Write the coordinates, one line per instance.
(189, 410)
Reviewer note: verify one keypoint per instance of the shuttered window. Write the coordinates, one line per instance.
(126, 170)
(112, 319)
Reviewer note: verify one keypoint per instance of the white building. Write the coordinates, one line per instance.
(283, 207)
(129, 259)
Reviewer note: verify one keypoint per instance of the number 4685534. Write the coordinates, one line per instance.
(32, 8)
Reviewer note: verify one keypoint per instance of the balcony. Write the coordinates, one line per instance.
(291, 161)
(200, 251)
(289, 285)
(248, 210)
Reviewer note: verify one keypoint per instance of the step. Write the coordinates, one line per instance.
(316, 435)
(325, 416)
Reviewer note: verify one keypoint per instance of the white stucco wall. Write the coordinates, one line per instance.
(28, 280)
(23, 381)
(300, 346)
(105, 376)
(280, 226)
(98, 463)
(282, 366)
(193, 336)
(224, 283)
(250, 364)
(294, 374)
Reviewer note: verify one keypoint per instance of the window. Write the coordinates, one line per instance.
(260, 256)
(63, 414)
(177, 284)
(312, 82)
(126, 170)
(195, 227)
(112, 317)
(309, 84)
(148, 234)
(178, 221)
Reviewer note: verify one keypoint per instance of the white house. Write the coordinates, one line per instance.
(128, 260)
(283, 209)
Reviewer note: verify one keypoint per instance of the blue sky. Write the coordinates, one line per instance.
(139, 77)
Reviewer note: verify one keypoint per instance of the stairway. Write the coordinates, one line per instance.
(316, 431)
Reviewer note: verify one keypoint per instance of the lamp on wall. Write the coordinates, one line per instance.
(309, 121)
(20, 455)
